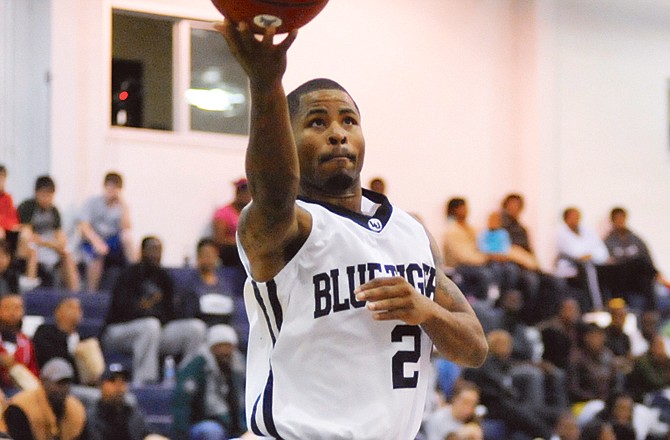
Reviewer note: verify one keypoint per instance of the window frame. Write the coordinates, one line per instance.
(181, 133)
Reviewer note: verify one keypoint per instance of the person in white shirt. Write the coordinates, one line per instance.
(580, 250)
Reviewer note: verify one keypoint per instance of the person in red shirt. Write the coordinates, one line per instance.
(15, 346)
(9, 220)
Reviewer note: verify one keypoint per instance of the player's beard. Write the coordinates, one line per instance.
(338, 183)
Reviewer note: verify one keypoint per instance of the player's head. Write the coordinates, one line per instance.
(327, 132)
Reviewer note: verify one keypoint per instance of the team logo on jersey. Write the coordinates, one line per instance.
(375, 224)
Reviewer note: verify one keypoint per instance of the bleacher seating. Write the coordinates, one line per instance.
(154, 400)
(43, 301)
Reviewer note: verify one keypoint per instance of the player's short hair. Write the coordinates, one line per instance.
(45, 182)
(114, 178)
(293, 98)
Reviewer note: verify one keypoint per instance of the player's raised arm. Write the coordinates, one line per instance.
(269, 224)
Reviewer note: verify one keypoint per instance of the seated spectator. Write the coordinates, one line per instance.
(502, 396)
(494, 240)
(49, 411)
(15, 347)
(104, 224)
(448, 419)
(209, 398)
(651, 371)
(598, 430)
(9, 278)
(566, 427)
(617, 340)
(111, 417)
(479, 271)
(593, 372)
(540, 290)
(635, 273)
(60, 339)
(9, 219)
(41, 224)
(378, 185)
(561, 334)
(650, 324)
(580, 251)
(225, 224)
(546, 386)
(205, 294)
(141, 315)
(469, 431)
(618, 412)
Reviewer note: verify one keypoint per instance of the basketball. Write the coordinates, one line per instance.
(286, 15)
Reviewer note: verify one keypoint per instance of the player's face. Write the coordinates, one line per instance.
(330, 141)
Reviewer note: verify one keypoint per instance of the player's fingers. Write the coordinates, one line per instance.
(288, 41)
(388, 315)
(268, 36)
(388, 304)
(375, 293)
(382, 281)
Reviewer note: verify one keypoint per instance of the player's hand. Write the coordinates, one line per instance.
(263, 60)
(395, 298)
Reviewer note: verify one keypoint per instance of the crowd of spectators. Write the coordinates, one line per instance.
(56, 385)
(575, 352)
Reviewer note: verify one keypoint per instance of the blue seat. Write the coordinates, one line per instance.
(42, 301)
(155, 402)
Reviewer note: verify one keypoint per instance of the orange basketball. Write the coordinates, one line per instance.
(286, 15)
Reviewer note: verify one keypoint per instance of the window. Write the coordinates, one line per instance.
(174, 74)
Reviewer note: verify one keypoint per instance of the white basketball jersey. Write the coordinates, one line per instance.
(318, 365)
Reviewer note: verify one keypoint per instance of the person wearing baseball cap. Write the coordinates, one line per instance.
(111, 417)
(49, 411)
(208, 398)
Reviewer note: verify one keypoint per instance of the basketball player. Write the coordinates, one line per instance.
(346, 297)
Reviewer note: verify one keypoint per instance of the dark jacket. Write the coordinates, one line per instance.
(108, 422)
(141, 282)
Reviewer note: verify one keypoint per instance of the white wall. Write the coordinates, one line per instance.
(562, 100)
(612, 113)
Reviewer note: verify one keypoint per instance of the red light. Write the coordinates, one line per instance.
(123, 95)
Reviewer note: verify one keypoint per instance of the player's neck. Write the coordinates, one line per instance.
(350, 199)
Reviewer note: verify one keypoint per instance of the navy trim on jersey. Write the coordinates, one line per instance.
(259, 299)
(268, 419)
(383, 213)
(274, 302)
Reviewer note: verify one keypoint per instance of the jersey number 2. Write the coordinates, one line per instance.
(405, 356)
